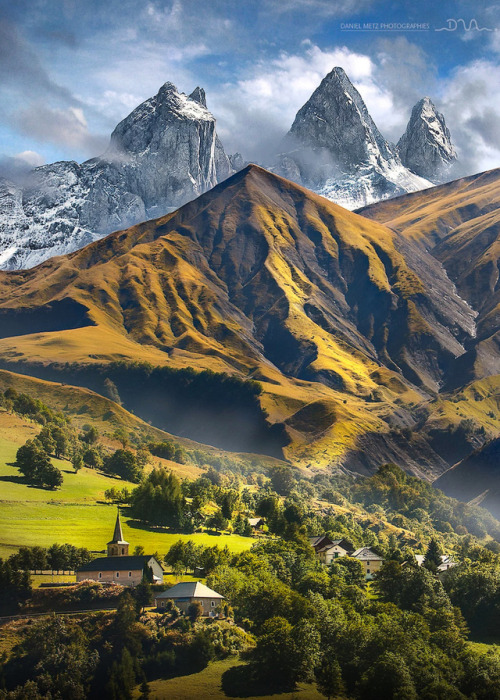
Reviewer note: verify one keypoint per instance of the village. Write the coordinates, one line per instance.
(123, 569)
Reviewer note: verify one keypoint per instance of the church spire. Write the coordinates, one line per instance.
(118, 534)
(118, 546)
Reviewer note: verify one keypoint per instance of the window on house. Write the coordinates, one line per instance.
(100, 575)
(117, 574)
(213, 603)
(129, 574)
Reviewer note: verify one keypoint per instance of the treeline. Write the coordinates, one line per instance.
(57, 557)
(55, 438)
(162, 499)
(15, 586)
(318, 624)
(410, 499)
(211, 407)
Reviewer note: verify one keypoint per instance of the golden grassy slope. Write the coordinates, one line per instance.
(460, 223)
(261, 278)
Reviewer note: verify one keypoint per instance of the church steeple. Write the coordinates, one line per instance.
(118, 547)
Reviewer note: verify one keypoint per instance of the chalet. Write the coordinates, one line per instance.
(323, 541)
(371, 562)
(120, 567)
(183, 594)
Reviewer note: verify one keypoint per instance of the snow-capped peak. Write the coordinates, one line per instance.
(163, 154)
(335, 148)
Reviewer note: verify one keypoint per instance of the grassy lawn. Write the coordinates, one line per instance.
(76, 513)
(206, 685)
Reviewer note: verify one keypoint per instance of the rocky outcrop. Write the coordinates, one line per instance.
(163, 154)
(425, 147)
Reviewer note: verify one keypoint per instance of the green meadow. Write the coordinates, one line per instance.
(76, 513)
(207, 684)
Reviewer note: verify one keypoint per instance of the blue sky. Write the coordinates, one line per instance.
(71, 69)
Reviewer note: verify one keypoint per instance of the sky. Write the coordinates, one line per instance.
(70, 70)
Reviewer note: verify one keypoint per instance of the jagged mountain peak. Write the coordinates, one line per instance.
(163, 154)
(198, 95)
(335, 148)
(336, 119)
(426, 148)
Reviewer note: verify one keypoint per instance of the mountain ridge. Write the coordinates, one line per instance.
(259, 278)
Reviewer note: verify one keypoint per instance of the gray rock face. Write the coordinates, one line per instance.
(335, 148)
(169, 150)
(237, 162)
(425, 147)
(163, 154)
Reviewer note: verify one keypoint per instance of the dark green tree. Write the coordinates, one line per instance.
(329, 676)
(432, 556)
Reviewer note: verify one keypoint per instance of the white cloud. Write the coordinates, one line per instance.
(471, 105)
(257, 110)
(31, 158)
(63, 127)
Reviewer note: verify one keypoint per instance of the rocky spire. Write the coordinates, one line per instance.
(426, 148)
(198, 95)
(335, 148)
(336, 119)
(170, 149)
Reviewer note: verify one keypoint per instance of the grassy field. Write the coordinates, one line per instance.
(206, 685)
(76, 513)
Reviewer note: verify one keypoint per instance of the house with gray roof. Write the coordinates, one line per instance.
(371, 562)
(183, 594)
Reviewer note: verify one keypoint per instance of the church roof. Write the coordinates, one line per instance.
(189, 589)
(132, 563)
(118, 534)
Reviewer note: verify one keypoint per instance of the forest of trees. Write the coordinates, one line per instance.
(295, 621)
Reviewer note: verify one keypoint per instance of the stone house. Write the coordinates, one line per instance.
(120, 567)
(371, 562)
(183, 594)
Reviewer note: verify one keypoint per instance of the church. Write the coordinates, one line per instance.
(120, 567)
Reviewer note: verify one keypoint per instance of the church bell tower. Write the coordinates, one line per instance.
(118, 547)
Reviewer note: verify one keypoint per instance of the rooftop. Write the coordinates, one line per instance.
(190, 589)
(365, 553)
(131, 563)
